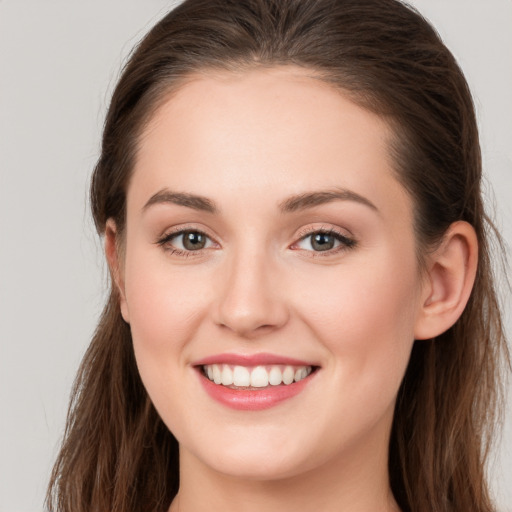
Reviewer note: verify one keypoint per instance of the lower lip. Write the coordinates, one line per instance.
(253, 399)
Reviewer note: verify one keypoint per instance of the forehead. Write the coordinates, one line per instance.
(262, 104)
(273, 132)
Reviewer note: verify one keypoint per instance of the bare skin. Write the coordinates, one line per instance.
(229, 159)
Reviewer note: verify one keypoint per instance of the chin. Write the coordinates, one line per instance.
(257, 468)
(255, 457)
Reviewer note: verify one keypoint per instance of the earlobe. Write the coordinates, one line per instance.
(451, 275)
(115, 263)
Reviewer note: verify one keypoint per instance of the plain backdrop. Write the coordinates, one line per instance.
(59, 60)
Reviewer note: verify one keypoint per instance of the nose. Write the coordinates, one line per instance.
(251, 299)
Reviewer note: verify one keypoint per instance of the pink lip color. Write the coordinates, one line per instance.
(251, 360)
(251, 399)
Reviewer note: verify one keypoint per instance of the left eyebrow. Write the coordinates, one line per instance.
(311, 199)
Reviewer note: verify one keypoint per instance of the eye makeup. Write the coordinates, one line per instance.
(193, 242)
(324, 241)
(320, 242)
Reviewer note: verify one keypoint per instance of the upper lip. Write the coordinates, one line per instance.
(262, 359)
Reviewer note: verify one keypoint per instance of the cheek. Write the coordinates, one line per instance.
(165, 307)
(365, 316)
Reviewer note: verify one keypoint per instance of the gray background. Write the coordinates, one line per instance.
(59, 60)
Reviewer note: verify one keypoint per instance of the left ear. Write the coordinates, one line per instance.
(451, 271)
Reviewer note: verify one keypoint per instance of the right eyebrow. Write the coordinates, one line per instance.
(182, 199)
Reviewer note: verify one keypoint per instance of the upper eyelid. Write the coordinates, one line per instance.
(301, 235)
(165, 239)
(179, 230)
(348, 241)
(305, 232)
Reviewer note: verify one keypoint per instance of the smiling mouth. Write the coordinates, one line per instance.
(256, 377)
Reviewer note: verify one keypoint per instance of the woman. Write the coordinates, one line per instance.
(302, 311)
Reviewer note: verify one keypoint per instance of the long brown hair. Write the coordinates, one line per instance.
(117, 455)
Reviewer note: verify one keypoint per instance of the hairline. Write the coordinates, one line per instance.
(166, 88)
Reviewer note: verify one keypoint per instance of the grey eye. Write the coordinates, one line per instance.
(186, 241)
(190, 240)
(319, 241)
(322, 241)
(193, 240)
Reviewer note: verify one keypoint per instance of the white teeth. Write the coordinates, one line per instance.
(241, 376)
(275, 376)
(288, 375)
(217, 378)
(256, 377)
(259, 377)
(227, 375)
(300, 374)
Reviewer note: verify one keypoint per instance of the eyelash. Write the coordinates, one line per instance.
(165, 240)
(346, 242)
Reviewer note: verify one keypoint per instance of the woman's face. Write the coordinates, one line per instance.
(268, 239)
